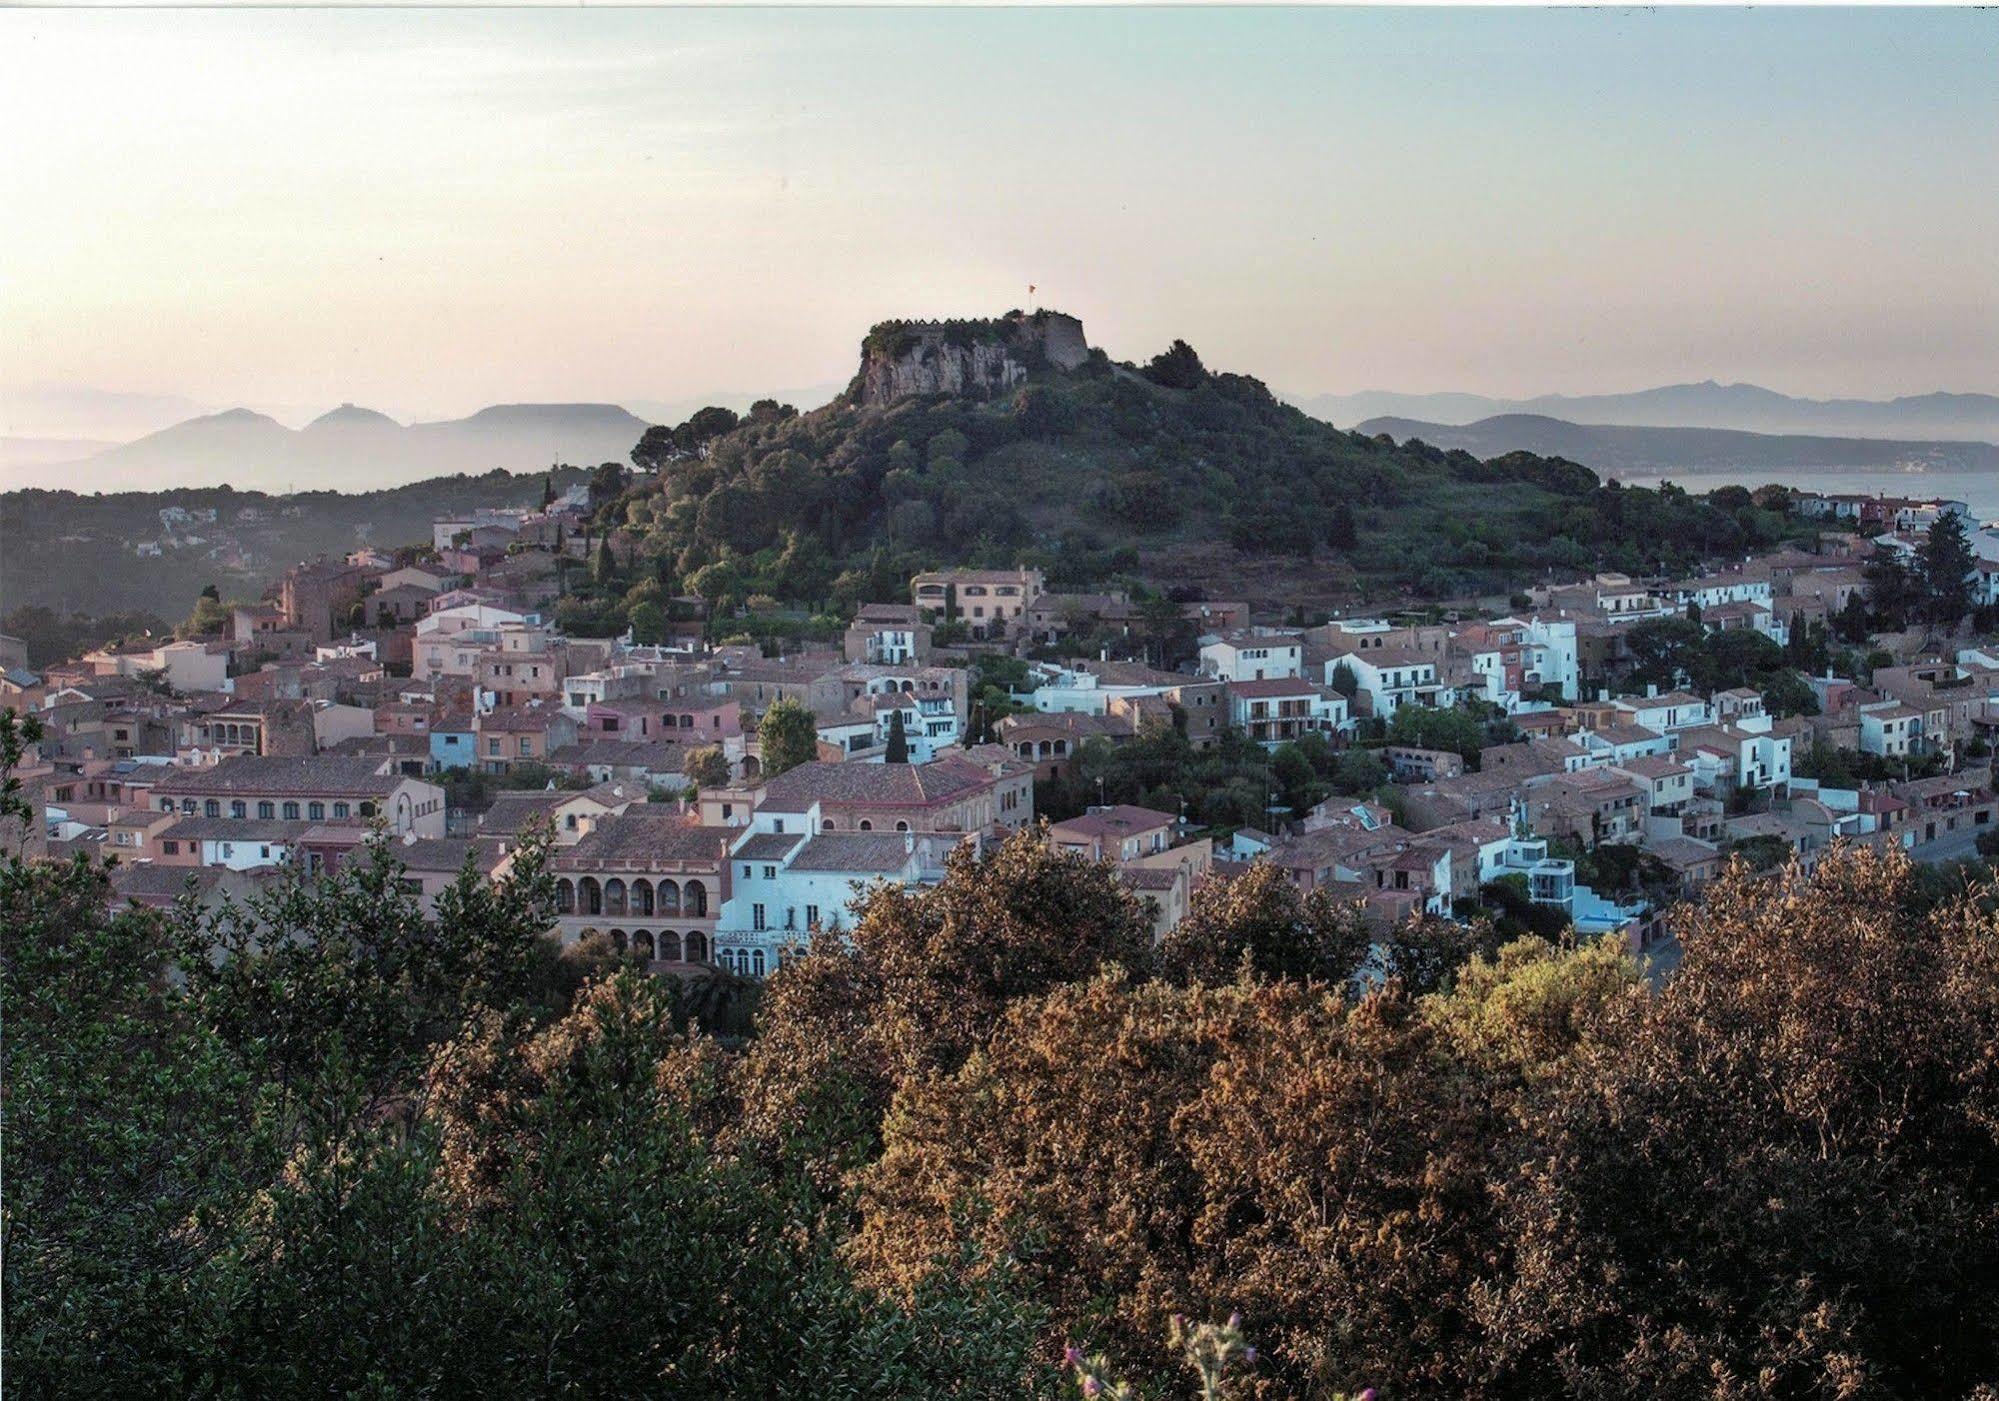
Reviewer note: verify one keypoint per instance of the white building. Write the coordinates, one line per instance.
(1675, 710)
(187, 665)
(1513, 655)
(1252, 654)
(1891, 729)
(1276, 711)
(1060, 690)
(231, 845)
(791, 881)
(1388, 678)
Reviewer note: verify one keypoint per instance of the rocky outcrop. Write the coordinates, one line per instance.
(973, 359)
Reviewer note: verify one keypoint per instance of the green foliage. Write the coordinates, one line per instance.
(1225, 785)
(706, 767)
(787, 736)
(324, 1142)
(1177, 367)
(1944, 563)
(210, 617)
(72, 551)
(1849, 768)
(898, 740)
(1259, 923)
(1459, 729)
(1093, 474)
(323, 1139)
(648, 623)
(51, 637)
(1672, 652)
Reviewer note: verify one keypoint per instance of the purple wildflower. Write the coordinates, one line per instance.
(1072, 1356)
(1249, 1354)
(1092, 1387)
(1235, 1320)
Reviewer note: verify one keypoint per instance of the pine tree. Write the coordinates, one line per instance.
(898, 739)
(1945, 562)
(1342, 533)
(607, 563)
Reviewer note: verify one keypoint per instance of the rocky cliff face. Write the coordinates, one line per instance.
(974, 359)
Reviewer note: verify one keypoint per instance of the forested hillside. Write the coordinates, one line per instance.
(76, 552)
(1111, 469)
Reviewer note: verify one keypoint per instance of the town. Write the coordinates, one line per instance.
(1584, 757)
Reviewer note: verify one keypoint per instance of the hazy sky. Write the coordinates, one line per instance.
(430, 211)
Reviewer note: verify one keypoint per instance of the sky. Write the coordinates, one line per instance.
(429, 211)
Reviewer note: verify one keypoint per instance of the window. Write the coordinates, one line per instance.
(770, 873)
(170, 848)
(211, 808)
(526, 745)
(291, 812)
(316, 811)
(757, 917)
(902, 826)
(187, 806)
(166, 805)
(341, 810)
(746, 873)
(493, 746)
(266, 811)
(867, 826)
(811, 916)
(239, 808)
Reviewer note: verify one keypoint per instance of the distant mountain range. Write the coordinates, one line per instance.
(1624, 448)
(1742, 407)
(351, 449)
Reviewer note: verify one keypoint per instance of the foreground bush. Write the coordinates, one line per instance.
(329, 1145)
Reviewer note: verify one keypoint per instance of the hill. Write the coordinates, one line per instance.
(76, 553)
(998, 441)
(1627, 448)
(355, 448)
(1742, 407)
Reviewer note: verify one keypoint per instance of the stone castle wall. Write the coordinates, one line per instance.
(935, 357)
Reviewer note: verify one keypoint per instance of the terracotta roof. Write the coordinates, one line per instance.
(873, 852)
(235, 829)
(517, 721)
(158, 885)
(1120, 821)
(447, 854)
(1278, 686)
(256, 775)
(511, 812)
(1682, 852)
(641, 837)
(880, 785)
(1670, 698)
(1654, 766)
(767, 846)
